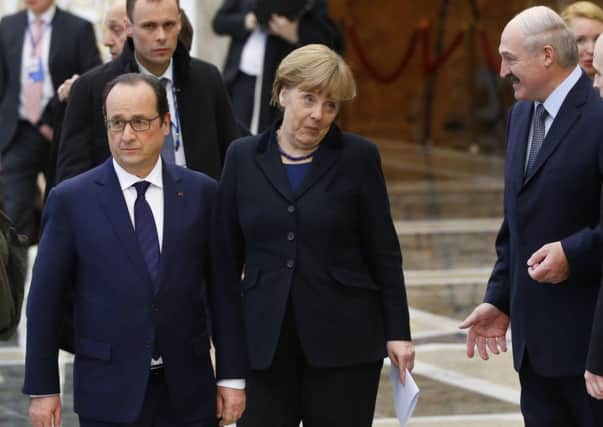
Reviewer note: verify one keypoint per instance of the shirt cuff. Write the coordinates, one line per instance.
(33, 396)
(239, 384)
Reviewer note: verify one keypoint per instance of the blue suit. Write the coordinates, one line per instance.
(558, 201)
(88, 239)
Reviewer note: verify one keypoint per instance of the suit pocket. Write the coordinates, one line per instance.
(250, 279)
(353, 279)
(92, 349)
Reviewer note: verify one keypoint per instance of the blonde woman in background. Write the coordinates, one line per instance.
(585, 19)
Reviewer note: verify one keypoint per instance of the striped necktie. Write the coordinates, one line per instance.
(537, 137)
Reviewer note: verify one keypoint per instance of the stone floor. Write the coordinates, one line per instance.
(447, 208)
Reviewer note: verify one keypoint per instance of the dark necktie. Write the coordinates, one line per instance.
(537, 137)
(167, 151)
(146, 231)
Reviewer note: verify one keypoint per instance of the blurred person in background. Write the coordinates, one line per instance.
(256, 50)
(585, 19)
(40, 47)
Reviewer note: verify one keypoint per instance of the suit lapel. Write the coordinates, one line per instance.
(173, 202)
(564, 121)
(269, 161)
(519, 130)
(15, 45)
(323, 160)
(56, 41)
(112, 203)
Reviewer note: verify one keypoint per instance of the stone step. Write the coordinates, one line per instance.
(453, 199)
(446, 244)
(436, 162)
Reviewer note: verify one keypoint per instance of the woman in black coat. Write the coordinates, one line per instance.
(303, 213)
(236, 18)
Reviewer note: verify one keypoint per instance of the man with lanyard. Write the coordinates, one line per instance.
(34, 61)
(202, 120)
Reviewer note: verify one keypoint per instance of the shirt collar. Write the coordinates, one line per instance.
(126, 179)
(553, 103)
(47, 16)
(168, 73)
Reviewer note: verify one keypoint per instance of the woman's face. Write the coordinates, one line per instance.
(586, 31)
(307, 117)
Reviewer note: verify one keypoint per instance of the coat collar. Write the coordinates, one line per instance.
(269, 161)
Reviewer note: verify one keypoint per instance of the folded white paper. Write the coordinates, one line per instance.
(405, 395)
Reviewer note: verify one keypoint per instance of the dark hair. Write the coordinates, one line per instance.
(186, 31)
(130, 8)
(132, 79)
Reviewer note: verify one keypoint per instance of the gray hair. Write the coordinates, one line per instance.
(543, 26)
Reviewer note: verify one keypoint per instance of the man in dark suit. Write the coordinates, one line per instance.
(547, 275)
(39, 48)
(132, 236)
(236, 18)
(202, 121)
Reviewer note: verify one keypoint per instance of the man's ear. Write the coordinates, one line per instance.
(549, 55)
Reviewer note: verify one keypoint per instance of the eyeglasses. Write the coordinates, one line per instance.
(138, 124)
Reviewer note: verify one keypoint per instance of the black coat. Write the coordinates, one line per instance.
(315, 26)
(72, 50)
(208, 125)
(330, 247)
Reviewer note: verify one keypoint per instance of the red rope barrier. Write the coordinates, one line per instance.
(421, 35)
(373, 72)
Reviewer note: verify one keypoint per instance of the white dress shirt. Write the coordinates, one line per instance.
(48, 90)
(553, 104)
(179, 157)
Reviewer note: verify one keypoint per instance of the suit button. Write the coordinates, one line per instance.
(291, 209)
(290, 236)
(290, 263)
(148, 344)
(155, 307)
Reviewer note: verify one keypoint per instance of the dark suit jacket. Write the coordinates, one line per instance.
(72, 50)
(208, 125)
(330, 247)
(315, 26)
(88, 240)
(559, 201)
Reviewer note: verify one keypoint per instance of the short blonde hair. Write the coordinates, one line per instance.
(582, 9)
(314, 68)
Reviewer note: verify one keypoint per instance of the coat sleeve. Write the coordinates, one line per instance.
(316, 26)
(226, 124)
(226, 267)
(86, 57)
(74, 155)
(230, 20)
(52, 274)
(382, 249)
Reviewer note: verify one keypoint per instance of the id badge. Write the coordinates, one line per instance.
(35, 70)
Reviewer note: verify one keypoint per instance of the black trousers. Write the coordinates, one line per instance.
(241, 92)
(291, 391)
(157, 410)
(557, 401)
(23, 159)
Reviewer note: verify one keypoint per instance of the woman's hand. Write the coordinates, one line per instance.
(402, 355)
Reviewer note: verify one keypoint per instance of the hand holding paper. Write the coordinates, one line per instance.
(406, 395)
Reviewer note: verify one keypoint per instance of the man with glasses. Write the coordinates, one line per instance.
(132, 235)
(202, 120)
